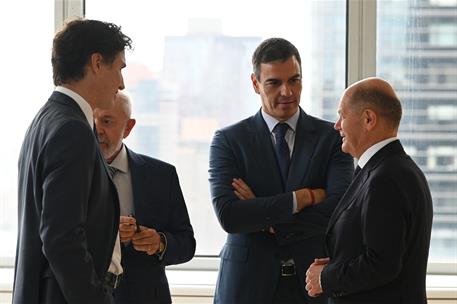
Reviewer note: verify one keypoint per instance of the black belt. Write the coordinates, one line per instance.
(287, 268)
(113, 280)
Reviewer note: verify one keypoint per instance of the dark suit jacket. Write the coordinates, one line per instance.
(68, 210)
(159, 204)
(379, 235)
(250, 259)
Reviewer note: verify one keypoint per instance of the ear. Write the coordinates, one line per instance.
(96, 60)
(370, 119)
(130, 124)
(255, 83)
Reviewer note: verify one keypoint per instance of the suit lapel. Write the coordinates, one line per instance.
(357, 184)
(262, 145)
(136, 173)
(351, 192)
(304, 145)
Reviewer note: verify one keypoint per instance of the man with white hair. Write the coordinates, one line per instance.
(154, 224)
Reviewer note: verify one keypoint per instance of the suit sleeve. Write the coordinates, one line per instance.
(179, 232)
(234, 215)
(67, 179)
(336, 177)
(384, 225)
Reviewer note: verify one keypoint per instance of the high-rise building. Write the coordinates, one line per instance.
(417, 53)
(204, 85)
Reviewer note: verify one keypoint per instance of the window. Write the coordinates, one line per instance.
(443, 34)
(423, 71)
(26, 80)
(189, 75)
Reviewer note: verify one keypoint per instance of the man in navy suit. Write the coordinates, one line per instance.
(379, 235)
(275, 179)
(68, 206)
(154, 225)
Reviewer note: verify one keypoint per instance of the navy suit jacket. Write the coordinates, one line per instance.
(250, 259)
(379, 235)
(159, 204)
(68, 210)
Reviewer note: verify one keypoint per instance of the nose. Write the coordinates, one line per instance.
(98, 128)
(285, 90)
(122, 86)
(337, 125)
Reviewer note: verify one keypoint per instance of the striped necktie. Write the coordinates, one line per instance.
(112, 170)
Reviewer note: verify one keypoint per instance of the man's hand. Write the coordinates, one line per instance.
(127, 227)
(308, 197)
(242, 190)
(313, 274)
(147, 240)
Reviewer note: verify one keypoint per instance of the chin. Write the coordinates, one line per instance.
(344, 148)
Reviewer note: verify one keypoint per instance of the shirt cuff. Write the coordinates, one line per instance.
(294, 196)
(163, 238)
(320, 284)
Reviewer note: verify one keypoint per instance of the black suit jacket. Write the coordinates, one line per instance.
(68, 210)
(251, 257)
(159, 204)
(379, 235)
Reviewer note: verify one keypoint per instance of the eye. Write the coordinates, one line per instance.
(296, 80)
(271, 82)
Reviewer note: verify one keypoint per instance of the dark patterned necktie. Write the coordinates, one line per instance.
(112, 171)
(282, 149)
(357, 170)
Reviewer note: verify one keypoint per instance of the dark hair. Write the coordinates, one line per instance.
(78, 40)
(386, 105)
(273, 49)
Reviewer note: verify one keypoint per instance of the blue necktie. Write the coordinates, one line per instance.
(282, 149)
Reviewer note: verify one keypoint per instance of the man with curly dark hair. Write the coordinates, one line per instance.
(68, 246)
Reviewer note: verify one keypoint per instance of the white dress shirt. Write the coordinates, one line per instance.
(82, 103)
(368, 154)
(289, 137)
(123, 182)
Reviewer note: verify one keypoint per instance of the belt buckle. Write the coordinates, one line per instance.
(288, 268)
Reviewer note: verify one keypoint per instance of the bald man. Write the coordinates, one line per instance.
(154, 225)
(378, 237)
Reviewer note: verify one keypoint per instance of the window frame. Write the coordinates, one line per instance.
(361, 34)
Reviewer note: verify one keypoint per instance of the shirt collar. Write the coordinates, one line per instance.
(121, 161)
(365, 157)
(82, 103)
(272, 122)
